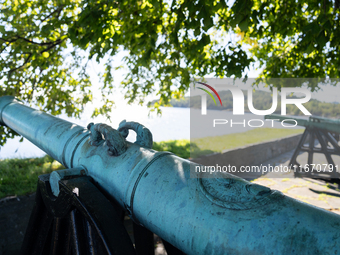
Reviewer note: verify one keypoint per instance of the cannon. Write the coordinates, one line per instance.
(77, 210)
(317, 129)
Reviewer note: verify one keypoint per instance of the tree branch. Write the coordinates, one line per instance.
(19, 67)
(3, 49)
(33, 85)
(6, 40)
(27, 40)
(53, 45)
(58, 10)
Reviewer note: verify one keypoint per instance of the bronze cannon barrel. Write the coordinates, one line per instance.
(197, 215)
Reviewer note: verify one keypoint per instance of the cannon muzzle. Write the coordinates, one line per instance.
(197, 215)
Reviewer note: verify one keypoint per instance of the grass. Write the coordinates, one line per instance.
(179, 147)
(19, 176)
(230, 141)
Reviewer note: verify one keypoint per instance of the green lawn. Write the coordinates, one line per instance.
(212, 144)
(19, 176)
(179, 147)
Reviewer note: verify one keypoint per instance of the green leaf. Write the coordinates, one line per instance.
(310, 48)
(321, 40)
(244, 25)
(45, 54)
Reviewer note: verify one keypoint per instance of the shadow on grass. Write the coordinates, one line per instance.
(197, 151)
(182, 148)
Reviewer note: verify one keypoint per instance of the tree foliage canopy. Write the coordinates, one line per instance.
(45, 45)
(294, 39)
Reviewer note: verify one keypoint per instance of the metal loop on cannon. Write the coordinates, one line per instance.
(144, 136)
(114, 140)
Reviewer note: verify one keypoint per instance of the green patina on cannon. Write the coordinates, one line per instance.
(320, 136)
(79, 210)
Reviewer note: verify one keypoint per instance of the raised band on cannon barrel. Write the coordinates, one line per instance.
(198, 216)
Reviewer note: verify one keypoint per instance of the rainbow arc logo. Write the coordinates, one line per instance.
(209, 93)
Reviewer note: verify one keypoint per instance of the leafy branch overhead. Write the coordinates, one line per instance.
(45, 46)
(294, 38)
